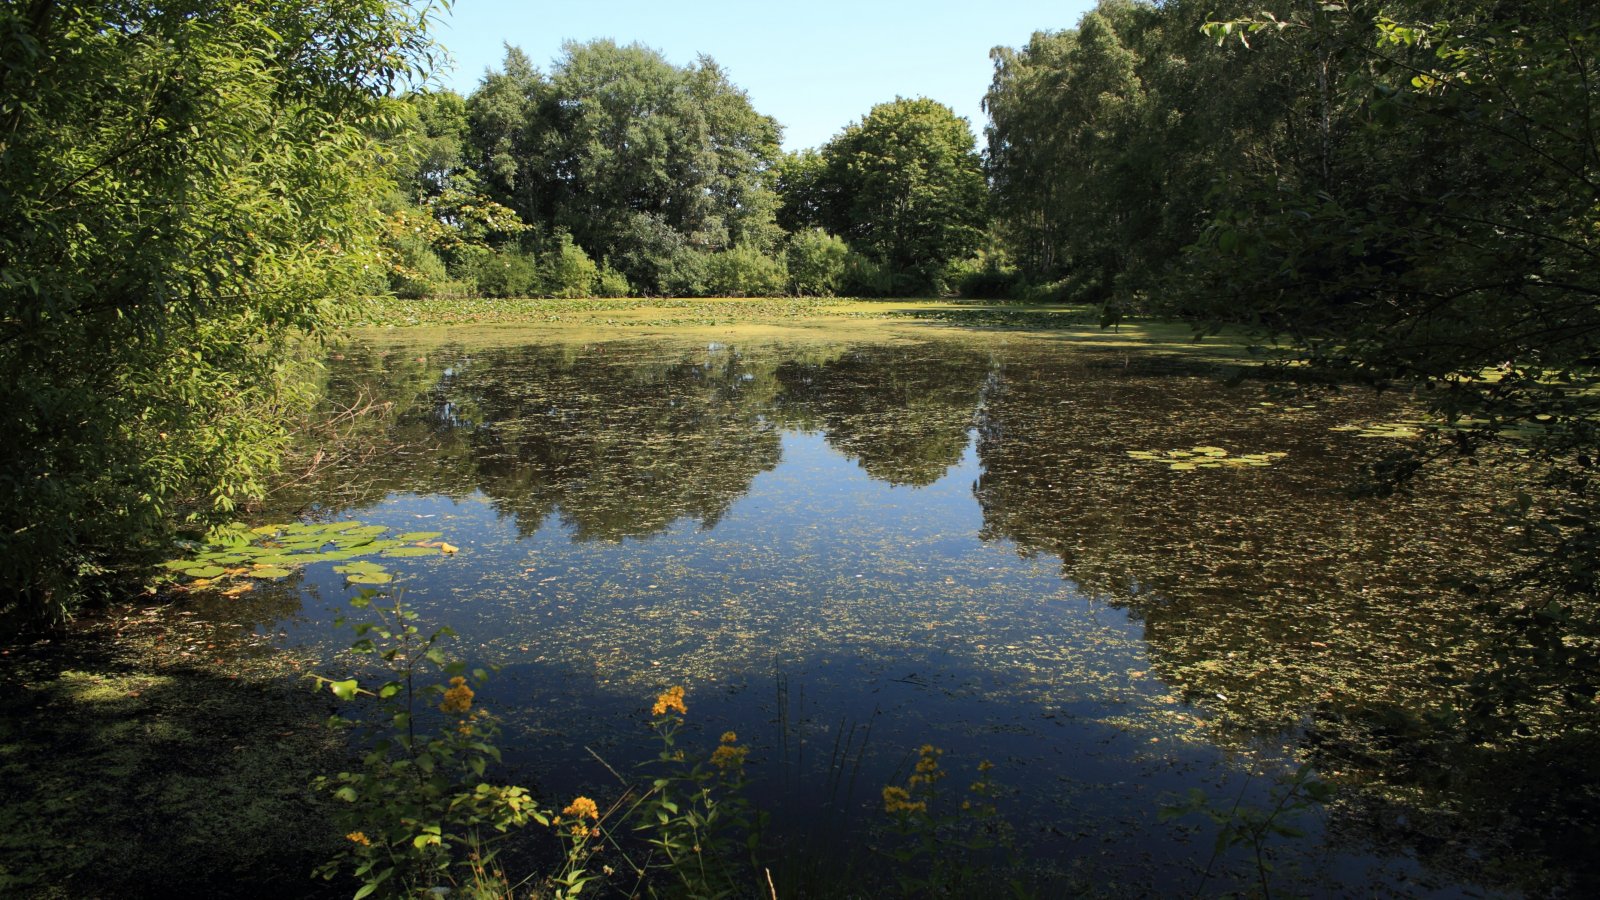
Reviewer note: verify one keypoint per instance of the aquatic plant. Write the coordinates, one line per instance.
(418, 815)
(276, 551)
(1206, 458)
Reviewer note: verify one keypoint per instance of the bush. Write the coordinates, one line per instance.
(744, 272)
(866, 277)
(567, 271)
(987, 276)
(684, 274)
(817, 262)
(419, 273)
(507, 272)
(611, 283)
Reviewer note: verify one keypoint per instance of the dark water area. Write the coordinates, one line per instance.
(1118, 578)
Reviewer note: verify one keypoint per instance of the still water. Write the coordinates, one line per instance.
(1118, 577)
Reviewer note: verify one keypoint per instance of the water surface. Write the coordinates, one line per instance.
(845, 549)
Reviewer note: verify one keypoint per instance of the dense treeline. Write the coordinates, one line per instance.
(620, 173)
(1408, 190)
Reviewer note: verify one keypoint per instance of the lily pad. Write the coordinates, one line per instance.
(371, 578)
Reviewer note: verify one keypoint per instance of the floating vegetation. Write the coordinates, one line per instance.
(1400, 431)
(1206, 458)
(277, 551)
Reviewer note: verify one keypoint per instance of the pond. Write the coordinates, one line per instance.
(1120, 577)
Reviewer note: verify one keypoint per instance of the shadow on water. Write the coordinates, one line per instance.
(1119, 581)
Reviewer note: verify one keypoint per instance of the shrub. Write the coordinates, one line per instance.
(817, 262)
(986, 276)
(866, 277)
(744, 271)
(611, 283)
(567, 271)
(508, 272)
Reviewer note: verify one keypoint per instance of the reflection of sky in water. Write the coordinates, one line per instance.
(822, 602)
(968, 541)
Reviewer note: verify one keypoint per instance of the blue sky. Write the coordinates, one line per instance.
(814, 66)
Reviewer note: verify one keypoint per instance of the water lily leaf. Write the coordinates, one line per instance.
(269, 572)
(371, 578)
(364, 566)
(399, 552)
(418, 535)
(203, 572)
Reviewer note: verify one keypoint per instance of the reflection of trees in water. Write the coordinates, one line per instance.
(622, 447)
(621, 443)
(625, 440)
(901, 412)
(1274, 599)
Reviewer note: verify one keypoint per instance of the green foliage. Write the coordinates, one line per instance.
(694, 814)
(636, 158)
(943, 846)
(611, 283)
(817, 262)
(1242, 825)
(275, 551)
(903, 186)
(507, 272)
(1405, 190)
(745, 271)
(418, 815)
(186, 191)
(987, 276)
(567, 271)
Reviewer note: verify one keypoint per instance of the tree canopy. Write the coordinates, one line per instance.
(185, 190)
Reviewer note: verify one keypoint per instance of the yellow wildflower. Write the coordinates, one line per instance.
(359, 837)
(729, 737)
(670, 699)
(458, 698)
(728, 756)
(582, 806)
(985, 766)
(927, 769)
(896, 800)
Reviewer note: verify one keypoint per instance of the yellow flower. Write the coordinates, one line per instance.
(896, 800)
(582, 806)
(458, 698)
(927, 769)
(728, 756)
(985, 766)
(358, 837)
(670, 699)
(729, 737)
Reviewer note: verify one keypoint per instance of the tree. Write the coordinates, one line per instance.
(905, 186)
(618, 144)
(186, 189)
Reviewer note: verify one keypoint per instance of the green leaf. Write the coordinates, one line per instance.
(344, 690)
(398, 552)
(418, 535)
